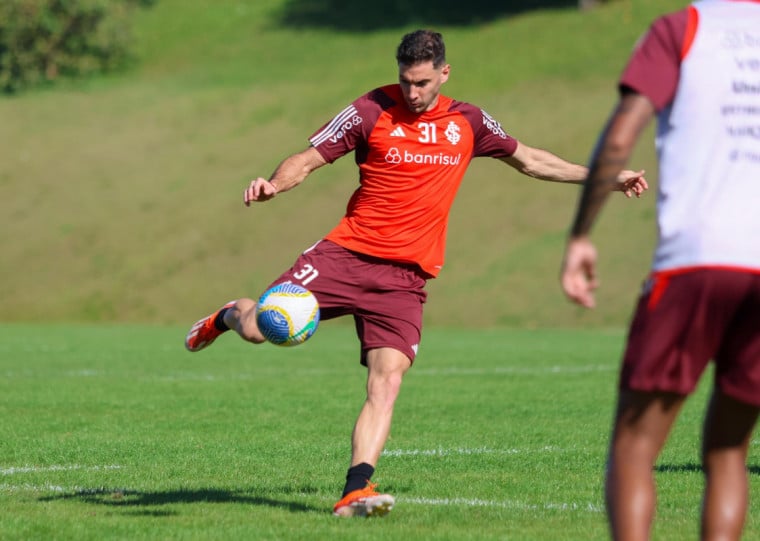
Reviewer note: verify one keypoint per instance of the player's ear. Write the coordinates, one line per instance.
(445, 70)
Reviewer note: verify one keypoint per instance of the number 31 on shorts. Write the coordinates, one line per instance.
(306, 274)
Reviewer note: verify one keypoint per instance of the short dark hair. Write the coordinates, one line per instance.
(421, 46)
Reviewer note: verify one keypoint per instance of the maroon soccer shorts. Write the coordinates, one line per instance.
(384, 297)
(686, 318)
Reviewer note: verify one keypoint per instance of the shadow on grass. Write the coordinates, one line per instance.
(692, 467)
(132, 499)
(350, 15)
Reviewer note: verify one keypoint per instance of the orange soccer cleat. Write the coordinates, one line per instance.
(365, 502)
(204, 332)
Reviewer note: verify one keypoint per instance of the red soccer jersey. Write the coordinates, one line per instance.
(410, 169)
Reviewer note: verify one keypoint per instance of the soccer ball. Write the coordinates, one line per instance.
(287, 314)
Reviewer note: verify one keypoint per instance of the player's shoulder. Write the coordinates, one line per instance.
(665, 37)
(478, 118)
(452, 104)
(671, 27)
(677, 17)
(383, 97)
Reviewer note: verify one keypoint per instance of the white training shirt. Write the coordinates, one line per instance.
(708, 142)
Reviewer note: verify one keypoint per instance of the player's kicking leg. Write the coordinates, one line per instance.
(206, 330)
(239, 316)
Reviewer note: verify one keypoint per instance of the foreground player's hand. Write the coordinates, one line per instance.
(259, 190)
(632, 183)
(578, 274)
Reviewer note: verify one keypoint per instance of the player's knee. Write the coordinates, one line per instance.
(249, 331)
(394, 380)
(246, 321)
(384, 390)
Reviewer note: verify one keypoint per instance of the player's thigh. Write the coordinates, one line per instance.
(643, 421)
(729, 423)
(328, 271)
(386, 365)
(389, 314)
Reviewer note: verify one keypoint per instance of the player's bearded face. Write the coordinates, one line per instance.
(420, 84)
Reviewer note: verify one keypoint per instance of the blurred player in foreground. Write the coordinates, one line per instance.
(698, 70)
(412, 146)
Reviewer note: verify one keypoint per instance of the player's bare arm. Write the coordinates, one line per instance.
(290, 173)
(543, 165)
(613, 150)
(578, 275)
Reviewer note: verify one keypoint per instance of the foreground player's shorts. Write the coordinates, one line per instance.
(688, 317)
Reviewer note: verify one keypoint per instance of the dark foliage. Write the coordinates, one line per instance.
(41, 40)
(351, 15)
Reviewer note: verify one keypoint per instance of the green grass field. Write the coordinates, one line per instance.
(122, 223)
(116, 432)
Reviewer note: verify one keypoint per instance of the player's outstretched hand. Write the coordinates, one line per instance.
(578, 274)
(259, 190)
(632, 183)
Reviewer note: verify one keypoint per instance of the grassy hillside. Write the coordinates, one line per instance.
(121, 196)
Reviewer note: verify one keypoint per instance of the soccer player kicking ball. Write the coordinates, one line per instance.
(697, 69)
(412, 146)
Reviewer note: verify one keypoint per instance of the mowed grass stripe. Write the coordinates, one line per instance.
(589, 507)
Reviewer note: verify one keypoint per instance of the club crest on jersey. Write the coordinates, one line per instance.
(453, 133)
